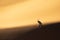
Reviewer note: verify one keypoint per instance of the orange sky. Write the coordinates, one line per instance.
(28, 12)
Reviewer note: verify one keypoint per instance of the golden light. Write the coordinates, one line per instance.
(28, 12)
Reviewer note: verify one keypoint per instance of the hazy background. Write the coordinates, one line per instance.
(27, 12)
